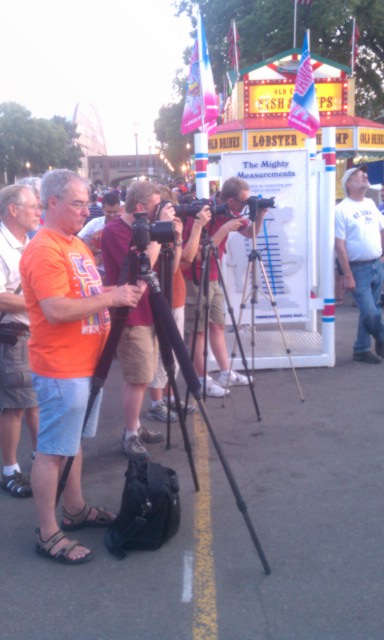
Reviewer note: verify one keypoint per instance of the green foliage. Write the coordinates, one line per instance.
(266, 29)
(42, 143)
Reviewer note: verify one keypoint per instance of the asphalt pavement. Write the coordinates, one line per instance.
(309, 482)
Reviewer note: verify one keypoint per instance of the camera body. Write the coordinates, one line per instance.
(193, 208)
(256, 204)
(144, 232)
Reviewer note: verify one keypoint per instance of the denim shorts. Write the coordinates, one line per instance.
(62, 407)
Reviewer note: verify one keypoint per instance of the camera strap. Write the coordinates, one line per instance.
(16, 292)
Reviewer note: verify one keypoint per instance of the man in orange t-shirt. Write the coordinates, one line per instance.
(69, 318)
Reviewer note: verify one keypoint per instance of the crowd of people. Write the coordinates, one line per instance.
(62, 255)
(63, 251)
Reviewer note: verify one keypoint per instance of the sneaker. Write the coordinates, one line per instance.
(190, 407)
(214, 390)
(233, 379)
(379, 348)
(160, 412)
(134, 448)
(150, 437)
(17, 485)
(366, 356)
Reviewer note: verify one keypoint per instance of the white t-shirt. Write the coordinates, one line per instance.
(10, 254)
(359, 224)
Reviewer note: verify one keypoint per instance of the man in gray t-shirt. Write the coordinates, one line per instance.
(359, 245)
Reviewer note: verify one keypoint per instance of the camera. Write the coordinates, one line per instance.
(256, 204)
(143, 232)
(192, 208)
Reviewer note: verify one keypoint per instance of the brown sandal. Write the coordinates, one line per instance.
(80, 520)
(43, 548)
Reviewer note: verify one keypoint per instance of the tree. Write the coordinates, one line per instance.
(167, 129)
(40, 142)
(266, 28)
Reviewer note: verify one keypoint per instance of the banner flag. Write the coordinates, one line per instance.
(304, 112)
(233, 48)
(201, 102)
(353, 42)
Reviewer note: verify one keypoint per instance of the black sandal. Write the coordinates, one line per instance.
(43, 548)
(18, 485)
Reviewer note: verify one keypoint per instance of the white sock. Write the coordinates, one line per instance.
(10, 470)
(225, 373)
(154, 403)
(129, 434)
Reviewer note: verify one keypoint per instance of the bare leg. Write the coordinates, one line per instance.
(218, 345)
(32, 421)
(45, 477)
(10, 430)
(198, 359)
(133, 396)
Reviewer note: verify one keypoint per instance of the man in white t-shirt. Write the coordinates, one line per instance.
(359, 246)
(91, 232)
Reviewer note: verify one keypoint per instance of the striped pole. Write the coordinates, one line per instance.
(327, 240)
(201, 161)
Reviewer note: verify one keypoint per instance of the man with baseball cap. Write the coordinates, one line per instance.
(359, 246)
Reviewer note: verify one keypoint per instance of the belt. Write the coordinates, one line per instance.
(15, 326)
(356, 263)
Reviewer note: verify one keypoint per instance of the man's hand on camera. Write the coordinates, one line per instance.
(128, 295)
(203, 217)
(167, 213)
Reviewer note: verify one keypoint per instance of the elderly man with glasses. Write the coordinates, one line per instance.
(20, 214)
(69, 316)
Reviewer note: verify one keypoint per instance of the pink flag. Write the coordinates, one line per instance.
(304, 113)
(201, 102)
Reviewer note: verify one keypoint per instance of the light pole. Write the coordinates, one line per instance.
(136, 134)
(28, 166)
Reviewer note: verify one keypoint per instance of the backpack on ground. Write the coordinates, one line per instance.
(149, 512)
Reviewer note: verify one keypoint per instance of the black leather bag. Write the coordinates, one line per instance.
(149, 512)
(8, 335)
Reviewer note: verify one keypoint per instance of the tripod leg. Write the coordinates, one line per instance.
(166, 328)
(239, 500)
(244, 299)
(204, 274)
(274, 306)
(241, 349)
(187, 444)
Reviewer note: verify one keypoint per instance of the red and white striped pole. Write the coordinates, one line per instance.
(327, 240)
(201, 162)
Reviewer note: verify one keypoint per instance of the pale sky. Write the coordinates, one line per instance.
(120, 55)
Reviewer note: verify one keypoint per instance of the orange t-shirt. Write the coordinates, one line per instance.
(54, 266)
(179, 289)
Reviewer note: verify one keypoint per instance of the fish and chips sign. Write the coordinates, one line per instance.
(269, 98)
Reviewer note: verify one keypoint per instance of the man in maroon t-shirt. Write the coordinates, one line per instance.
(234, 193)
(137, 349)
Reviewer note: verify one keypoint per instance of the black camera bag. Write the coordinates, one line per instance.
(149, 512)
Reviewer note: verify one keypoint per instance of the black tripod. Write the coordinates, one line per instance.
(208, 250)
(169, 340)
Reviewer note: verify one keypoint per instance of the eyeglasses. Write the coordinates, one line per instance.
(79, 204)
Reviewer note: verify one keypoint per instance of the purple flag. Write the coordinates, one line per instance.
(304, 112)
(201, 103)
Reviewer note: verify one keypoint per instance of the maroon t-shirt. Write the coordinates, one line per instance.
(115, 243)
(211, 227)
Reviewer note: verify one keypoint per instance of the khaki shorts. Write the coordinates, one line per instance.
(216, 306)
(137, 354)
(16, 391)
